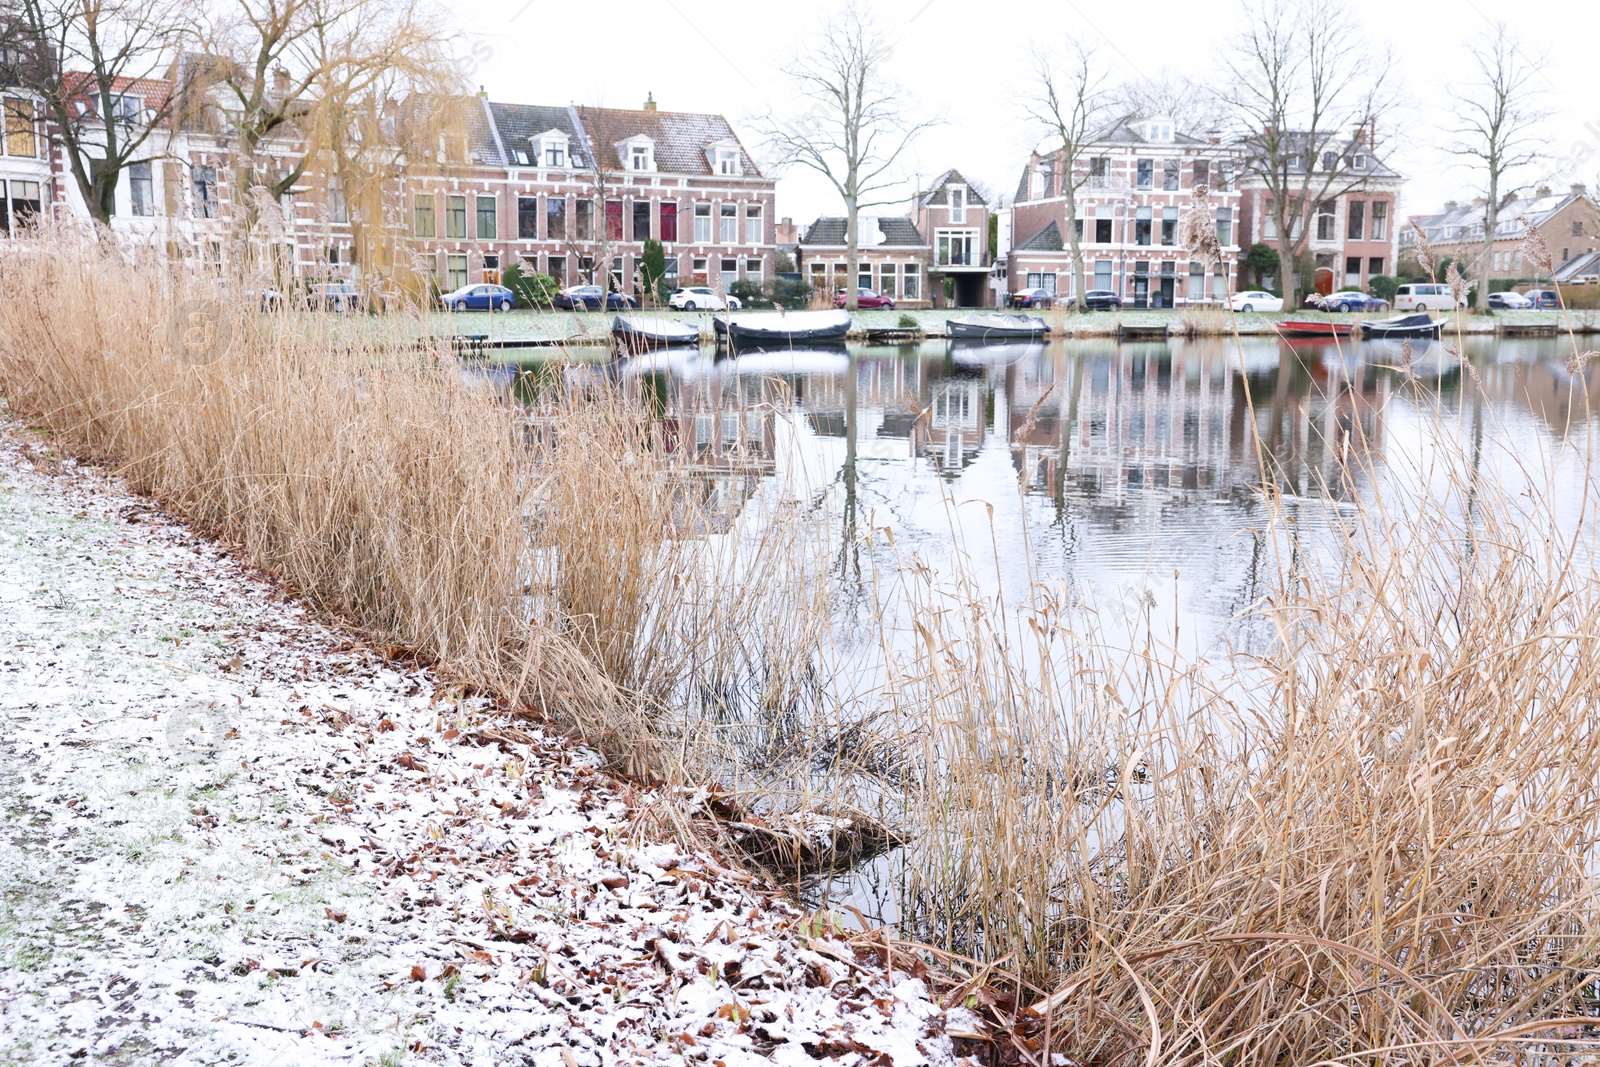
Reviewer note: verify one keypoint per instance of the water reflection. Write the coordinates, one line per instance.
(1138, 472)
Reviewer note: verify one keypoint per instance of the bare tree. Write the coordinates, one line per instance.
(1304, 92)
(1497, 113)
(95, 66)
(1072, 102)
(856, 128)
(1193, 107)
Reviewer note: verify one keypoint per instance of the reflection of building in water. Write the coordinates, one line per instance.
(1150, 416)
(721, 433)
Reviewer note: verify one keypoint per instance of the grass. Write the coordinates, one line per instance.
(1373, 840)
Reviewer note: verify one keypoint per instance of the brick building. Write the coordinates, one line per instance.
(1131, 185)
(1569, 222)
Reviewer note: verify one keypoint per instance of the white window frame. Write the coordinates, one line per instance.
(912, 281)
(728, 162)
(702, 211)
(958, 203)
(727, 223)
(754, 225)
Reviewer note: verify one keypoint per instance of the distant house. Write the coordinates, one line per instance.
(1131, 185)
(1351, 234)
(954, 218)
(1569, 222)
(893, 257)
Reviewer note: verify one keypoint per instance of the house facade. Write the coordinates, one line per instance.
(1569, 222)
(1350, 236)
(1131, 185)
(892, 257)
(28, 162)
(954, 219)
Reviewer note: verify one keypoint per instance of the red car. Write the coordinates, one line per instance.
(866, 299)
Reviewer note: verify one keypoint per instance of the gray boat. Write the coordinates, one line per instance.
(995, 326)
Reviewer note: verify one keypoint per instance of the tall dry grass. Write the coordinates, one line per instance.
(1374, 841)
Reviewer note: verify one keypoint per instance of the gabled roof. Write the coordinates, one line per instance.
(1122, 132)
(938, 194)
(1045, 240)
(1298, 141)
(880, 231)
(520, 123)
(1465, 221)
(680, 138)
(1583, 265)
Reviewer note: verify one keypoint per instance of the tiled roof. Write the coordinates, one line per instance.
(1298, 142)
(937, 194)
(881, 231)
(1046, 240)
(1122, 132)
(682, 140)
(1583, 265)
(519, 123)
(1465, 221)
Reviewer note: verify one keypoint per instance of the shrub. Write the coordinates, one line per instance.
(751, 294)
(1384, 287)
(908, 322)
(533, 289)
(653, 272)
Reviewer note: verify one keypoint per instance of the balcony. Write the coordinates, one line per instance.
(961, 259)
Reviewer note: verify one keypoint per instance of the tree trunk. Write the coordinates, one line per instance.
(1075, 242)
(852, 252)
(1486, 260)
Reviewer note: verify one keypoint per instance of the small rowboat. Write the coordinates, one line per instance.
(774, 329)
(643, 333)
(1403, 326)
(995, 327)
(1314, 328)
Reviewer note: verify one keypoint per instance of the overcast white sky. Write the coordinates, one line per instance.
(967, 63)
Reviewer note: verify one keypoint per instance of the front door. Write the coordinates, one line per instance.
(1168, 291)
(1141, 290)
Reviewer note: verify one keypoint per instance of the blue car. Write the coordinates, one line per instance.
(479, 298)
(590, 297)
(1354, 300)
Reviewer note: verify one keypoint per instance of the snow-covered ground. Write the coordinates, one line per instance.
(233, 835)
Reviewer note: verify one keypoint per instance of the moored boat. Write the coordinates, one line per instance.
(641, 333)
(1403, 326)
(993, 326)
(1314, 328)
(778, 329)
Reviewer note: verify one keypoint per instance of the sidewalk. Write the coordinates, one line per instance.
(237, 836)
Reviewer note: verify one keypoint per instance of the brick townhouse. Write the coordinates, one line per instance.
(1350, 236)
(1569, 222)
(1132, 183)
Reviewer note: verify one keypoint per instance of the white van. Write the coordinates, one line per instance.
(1425, 297)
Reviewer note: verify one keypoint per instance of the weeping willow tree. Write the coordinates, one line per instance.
(341, 96)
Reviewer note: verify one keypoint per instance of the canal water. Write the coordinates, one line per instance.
(1127, 475)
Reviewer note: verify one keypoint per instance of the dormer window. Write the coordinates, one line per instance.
(1158, 130)
(1358, 162)
(555, 154)
(550, 149)
(125, 109)
(639, 157)
(725, 158)
(1330, 161)
(727, 161)
(958, 203)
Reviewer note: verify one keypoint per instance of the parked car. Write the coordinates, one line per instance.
(1101, 300)
(1510, 300)
(1543, 298)
(1257, 300)
(1425, 296)
(333, 296)
(1353, 300)
(866, 300)
(591, 298)
(1029, 298)
(479, 298)
(702, 298)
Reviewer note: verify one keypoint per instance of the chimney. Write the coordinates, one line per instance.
(1542, 191)
(649, 101)
(1358, 136)
(1450, 205)
(1579, 188)
(280, 80)
(483, 94)
(1213, 136)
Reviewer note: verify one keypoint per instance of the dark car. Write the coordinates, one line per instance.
(590, 298)
(1029, 298)
(333, 296)
(266, 299)
(1543, 298)
(866, 299)
(1509, 301)
(483, 297)
(1352, 300)
(1101, 300)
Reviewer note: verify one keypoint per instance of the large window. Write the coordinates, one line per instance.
(669, 221)
(913, 281)
(455, 219)
(422, 212)
(555, 218)
(958, 204)
(888, 282)
(488, 225)
(338, 207)
(1325, 220)
(141, 189)
(585, 220)
(728, 223)
(754, 232)
(527, 218)
(1146, 171)
(1099, 172)
(1169, 225)
(1225, 175)
(702, 224)
(613, 220)
(455, 275)
(205, 192)
(1357, 224)
(1169, 174)
(641, 220)
(1102, 274)
(1380, 220)
(25, 203)
(1202, 172)
(555, 153)
(1102, 232)
(1225, 226)
(755, 269)
(730, 272)
(557, 268)
(21, 137)
(1141, 226)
